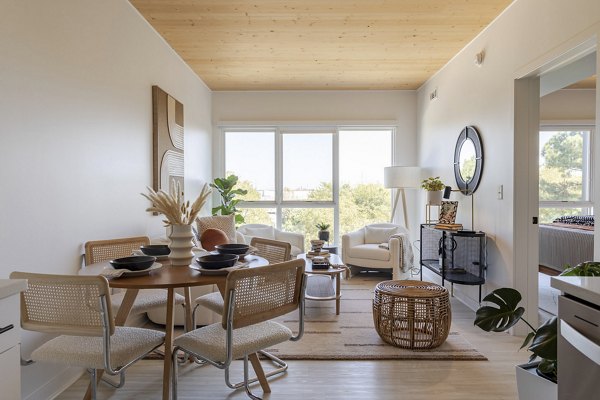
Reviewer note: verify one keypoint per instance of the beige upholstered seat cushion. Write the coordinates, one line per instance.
(147, 299)
(378, 234)
(225, 223)
(127, 344)
(369, 251)
(213, 301)
(209, 341)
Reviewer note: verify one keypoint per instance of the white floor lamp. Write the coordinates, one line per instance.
(401, 178)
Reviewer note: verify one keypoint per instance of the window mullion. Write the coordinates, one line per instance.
(278, 177)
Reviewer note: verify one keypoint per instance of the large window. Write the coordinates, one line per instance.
(298, 177)
(565, 172)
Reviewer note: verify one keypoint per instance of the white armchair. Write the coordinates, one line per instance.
(366, 248)
(268, 232)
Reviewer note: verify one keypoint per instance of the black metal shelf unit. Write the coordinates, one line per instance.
(457, 256)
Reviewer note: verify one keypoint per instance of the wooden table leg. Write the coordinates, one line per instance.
(338, 293)
(120, 319)
(168, 345)
(189, 324)
(260, 373)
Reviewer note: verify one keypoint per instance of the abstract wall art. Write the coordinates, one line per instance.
(168, 140)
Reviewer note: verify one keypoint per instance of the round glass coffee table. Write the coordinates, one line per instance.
(324, 284)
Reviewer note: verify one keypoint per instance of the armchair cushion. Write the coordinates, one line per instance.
(378, 234)
(369, 251)
(266, 233)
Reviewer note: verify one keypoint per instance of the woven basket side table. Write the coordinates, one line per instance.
(412, 314)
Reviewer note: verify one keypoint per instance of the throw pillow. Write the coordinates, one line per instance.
(378, 235)
(225, 223)
(213, 237)
(266, 232)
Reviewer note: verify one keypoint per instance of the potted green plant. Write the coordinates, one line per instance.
(434, 187)
(542, 342)
(226, 189)
(323, 231)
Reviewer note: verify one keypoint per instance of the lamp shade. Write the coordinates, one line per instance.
(401, 177)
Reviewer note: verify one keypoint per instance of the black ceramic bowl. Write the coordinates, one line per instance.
(217, 261)
(232, 248)
(134, 263)
(156, 250)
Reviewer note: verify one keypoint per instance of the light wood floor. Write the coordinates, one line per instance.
(307, 380)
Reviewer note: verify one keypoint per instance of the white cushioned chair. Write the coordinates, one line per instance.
(104, 250)
(253, 297)
(77, 308)
(268, 232)
(366, 248)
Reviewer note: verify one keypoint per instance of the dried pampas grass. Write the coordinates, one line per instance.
(173, 207)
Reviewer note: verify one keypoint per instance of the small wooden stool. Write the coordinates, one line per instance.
(412, 314)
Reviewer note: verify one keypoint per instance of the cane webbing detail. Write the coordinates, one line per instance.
(104, 250)
(263, 293)
(64, 304)
(274, 251)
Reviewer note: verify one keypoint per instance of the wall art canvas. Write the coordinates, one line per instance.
(167, 133)
(448, 212)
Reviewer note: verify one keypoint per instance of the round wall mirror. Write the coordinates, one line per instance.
(468, 160)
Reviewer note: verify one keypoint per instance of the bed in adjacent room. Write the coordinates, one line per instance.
(568, 240)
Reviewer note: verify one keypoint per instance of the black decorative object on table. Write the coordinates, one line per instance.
(217, 261)
(232, 248)
(133, 263)
(156, 250)
(457, 256)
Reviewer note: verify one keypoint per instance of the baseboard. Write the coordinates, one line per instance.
(57, 384)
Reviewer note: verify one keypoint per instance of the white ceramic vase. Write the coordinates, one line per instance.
(181, 245)
(434, 197)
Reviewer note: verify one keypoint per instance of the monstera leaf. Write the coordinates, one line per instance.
(545, 339)
(503, 317)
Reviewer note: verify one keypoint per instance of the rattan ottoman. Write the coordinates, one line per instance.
(412, 314)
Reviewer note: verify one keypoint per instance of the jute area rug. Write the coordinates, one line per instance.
(352, 335)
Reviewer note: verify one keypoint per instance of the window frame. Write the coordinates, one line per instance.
(587, 205)
(282, 129)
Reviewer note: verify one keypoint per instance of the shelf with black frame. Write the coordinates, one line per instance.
(457, 256)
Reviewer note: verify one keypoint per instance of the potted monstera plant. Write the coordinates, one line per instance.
(537, 379)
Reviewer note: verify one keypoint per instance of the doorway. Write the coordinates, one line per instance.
(539, 80)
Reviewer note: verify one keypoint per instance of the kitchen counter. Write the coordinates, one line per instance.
(8, 287)
(584, 287)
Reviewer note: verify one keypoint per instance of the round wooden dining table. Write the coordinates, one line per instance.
(170, 278)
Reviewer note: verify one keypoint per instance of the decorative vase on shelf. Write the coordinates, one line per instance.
(434, 197)
(181, 245)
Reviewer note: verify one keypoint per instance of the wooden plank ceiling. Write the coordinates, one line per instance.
(318, 44)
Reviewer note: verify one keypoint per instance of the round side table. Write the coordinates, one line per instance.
(412, 314)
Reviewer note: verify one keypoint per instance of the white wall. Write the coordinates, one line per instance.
(335, 106)
(76, 135)
(526, 35)
(569, 105)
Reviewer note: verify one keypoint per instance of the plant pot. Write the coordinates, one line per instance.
(531, 386)
(434, 197)
(181, 245)
(324, 235)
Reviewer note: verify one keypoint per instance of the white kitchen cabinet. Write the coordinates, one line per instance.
(10, 339)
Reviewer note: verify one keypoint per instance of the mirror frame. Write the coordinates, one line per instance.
(468, 188)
